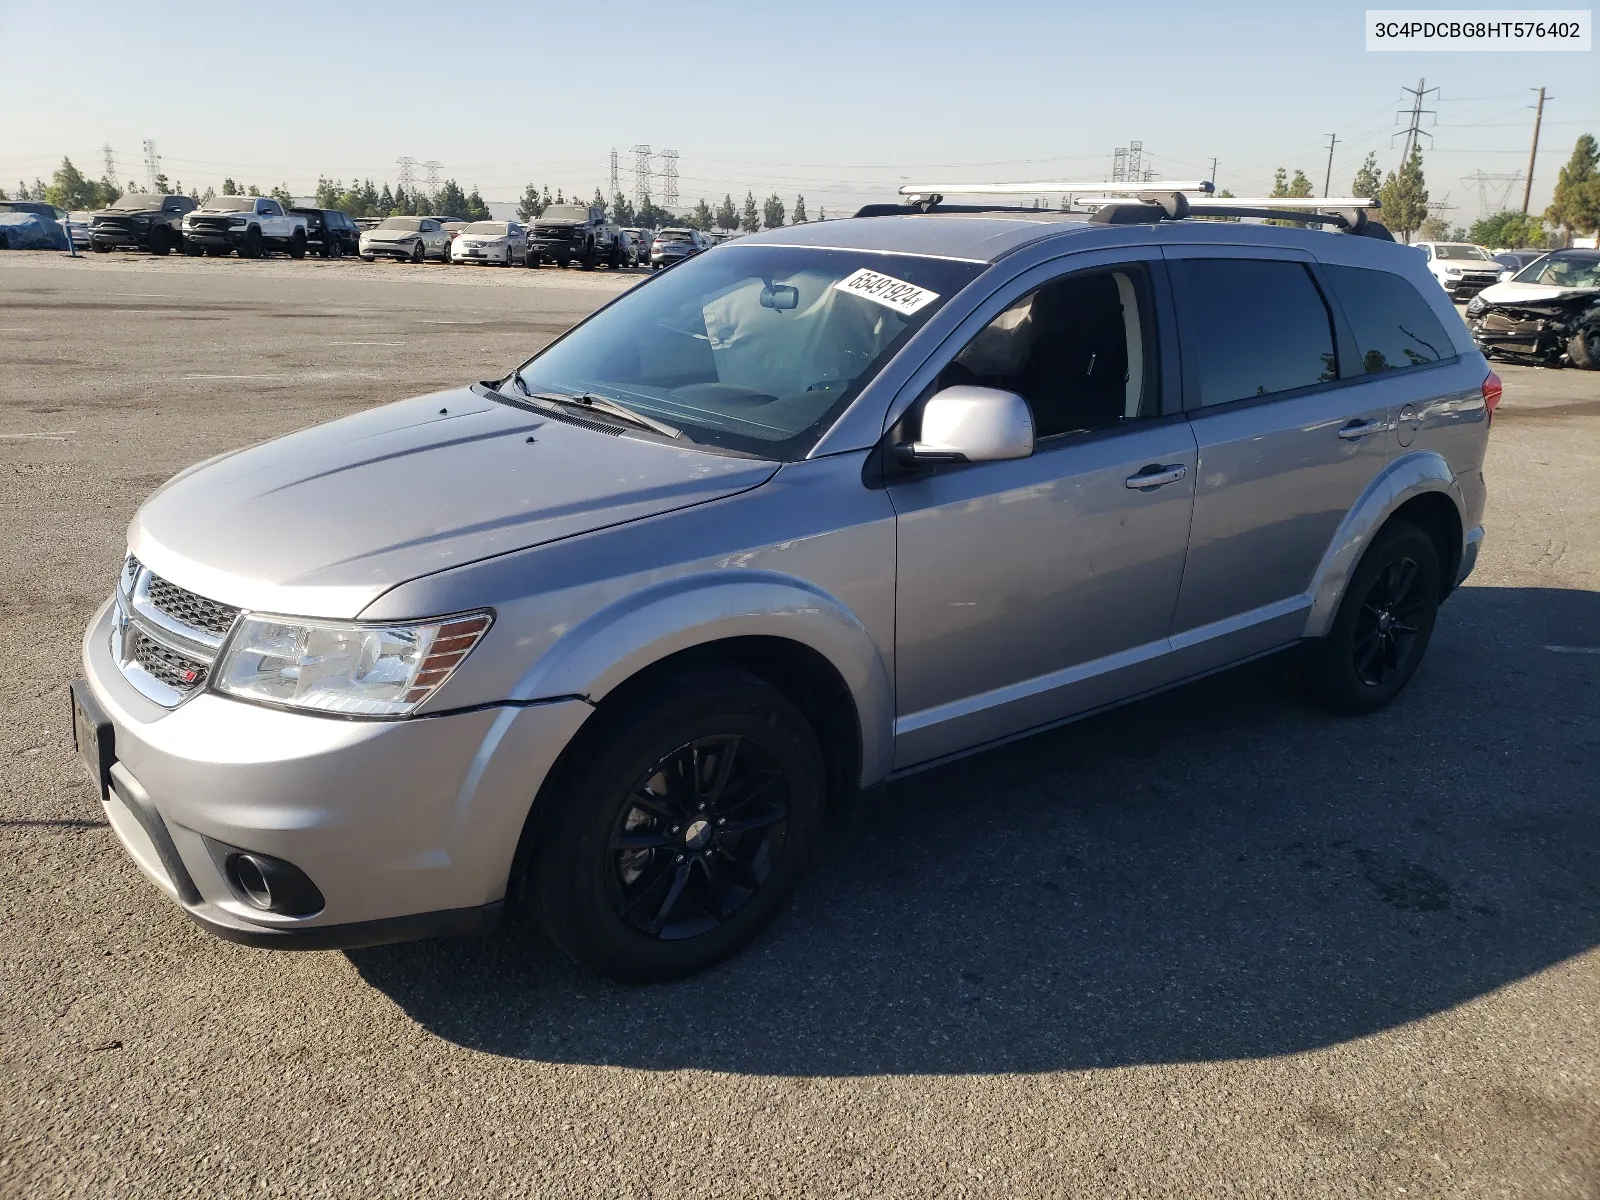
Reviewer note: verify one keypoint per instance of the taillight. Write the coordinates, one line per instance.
(1491, 393)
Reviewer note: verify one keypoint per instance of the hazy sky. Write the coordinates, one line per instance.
(838, 101)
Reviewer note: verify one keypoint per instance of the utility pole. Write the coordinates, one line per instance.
(641, 176)
(1327, 180)
(615, 189)
(669, 178)
(111, 163)
(1414, 130)
(1213, 175)
(152, 163)
(433, 166)
(1538, 117)
(407, 179)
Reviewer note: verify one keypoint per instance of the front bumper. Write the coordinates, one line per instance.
(387, 249)
(480, 254)
(215, 237)
(117, 237)
(407, 828)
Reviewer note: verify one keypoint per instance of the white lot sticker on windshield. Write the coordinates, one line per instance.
(886, 290)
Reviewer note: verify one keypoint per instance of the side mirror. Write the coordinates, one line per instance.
(780, 296)
(971, 424)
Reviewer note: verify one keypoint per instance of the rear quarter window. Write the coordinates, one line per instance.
(1393, 325)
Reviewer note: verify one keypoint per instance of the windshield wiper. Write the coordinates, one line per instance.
(602, 404)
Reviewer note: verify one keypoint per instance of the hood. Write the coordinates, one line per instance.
(391, 235)
(538, 224)
(1521, 295)
(322, 522)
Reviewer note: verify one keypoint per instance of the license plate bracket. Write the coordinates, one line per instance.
(92, 736)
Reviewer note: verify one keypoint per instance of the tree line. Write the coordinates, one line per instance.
(1574, 208)
(769, 214)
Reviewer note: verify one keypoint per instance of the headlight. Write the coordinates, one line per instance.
(342, 667)
(1476, 305)
(1452, 270)
(238, 220)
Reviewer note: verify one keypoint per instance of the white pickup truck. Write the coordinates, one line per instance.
(252, 225)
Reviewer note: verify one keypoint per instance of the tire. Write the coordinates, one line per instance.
(563, 263)
(160, 241)
(418, 253)
(251, 245)
(297, 244)
(531, 261)
(99, 247)
(1583, 350)
(1383, 625)
(192, 250)
(685, 896)
(615, 260)
(369, 258)
(588, 259)
(327, 250)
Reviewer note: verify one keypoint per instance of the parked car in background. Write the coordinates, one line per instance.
(1512, 261)
(639, 245)
(1547, 314)
(252, 225)
(78, 227)
(675, 245)
(330, 232)
(1462, 269)
(504, 243)
(410, 238)
(595, 644)
(451, 226)
(568, 233)
(141, 221)
(53, 231)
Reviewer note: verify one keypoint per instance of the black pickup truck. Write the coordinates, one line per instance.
(568, 233)
(141, 221)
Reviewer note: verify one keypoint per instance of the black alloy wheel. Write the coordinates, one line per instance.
(698, 836)
(1388, 622)
(251, 245)
(160, 241)
(417, 252)
(1383, 624)
(676, 826)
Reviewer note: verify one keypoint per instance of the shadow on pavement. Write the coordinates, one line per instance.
(1218, 872)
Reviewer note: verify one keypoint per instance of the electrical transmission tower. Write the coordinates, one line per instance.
(1127, 164)
(1413, 131)
(407, 178)
(152, 163)
(1497, 186)
(616, 189)
(111, 163)
(641, 175)
(669, 178)
(433, 176)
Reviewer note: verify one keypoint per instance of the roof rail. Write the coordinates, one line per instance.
(1055, 187)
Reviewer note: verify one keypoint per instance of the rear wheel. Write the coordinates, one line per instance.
(1383, 624)
(297, 244)
(1584, 348)
(682, 830)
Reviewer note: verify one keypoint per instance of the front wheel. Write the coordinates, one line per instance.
(160, 241)
(1584, 348)
(1383, 624)
(251, 246)
(417, 252)
(680, 828)
(192, 249)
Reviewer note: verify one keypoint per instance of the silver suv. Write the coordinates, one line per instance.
(597, 643)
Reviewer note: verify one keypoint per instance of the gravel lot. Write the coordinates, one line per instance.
(1213, 944)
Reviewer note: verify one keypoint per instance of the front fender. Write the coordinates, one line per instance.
(615, 643)
(1407, 476)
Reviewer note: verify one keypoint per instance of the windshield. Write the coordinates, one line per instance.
(139, 202)
(230, 204)
(488, 228)
(407, 224)
(565, 212)
(1564, 268)
(1462, 251)
(754, 348)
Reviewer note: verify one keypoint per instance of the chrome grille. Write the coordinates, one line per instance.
(177, 671)
(194, 611)
(130, 573)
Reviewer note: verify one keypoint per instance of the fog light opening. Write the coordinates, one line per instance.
(250, 875)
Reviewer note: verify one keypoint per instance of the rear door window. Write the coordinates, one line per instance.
(1392, 323)
(1253, 328)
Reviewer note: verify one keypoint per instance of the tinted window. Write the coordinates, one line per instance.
(1077, 350)
(1393, 324)
(1254, 328)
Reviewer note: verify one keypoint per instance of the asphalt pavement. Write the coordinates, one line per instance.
(1217, 943)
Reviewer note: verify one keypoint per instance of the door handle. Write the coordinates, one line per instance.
(1147, 479)
(1353, 431)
